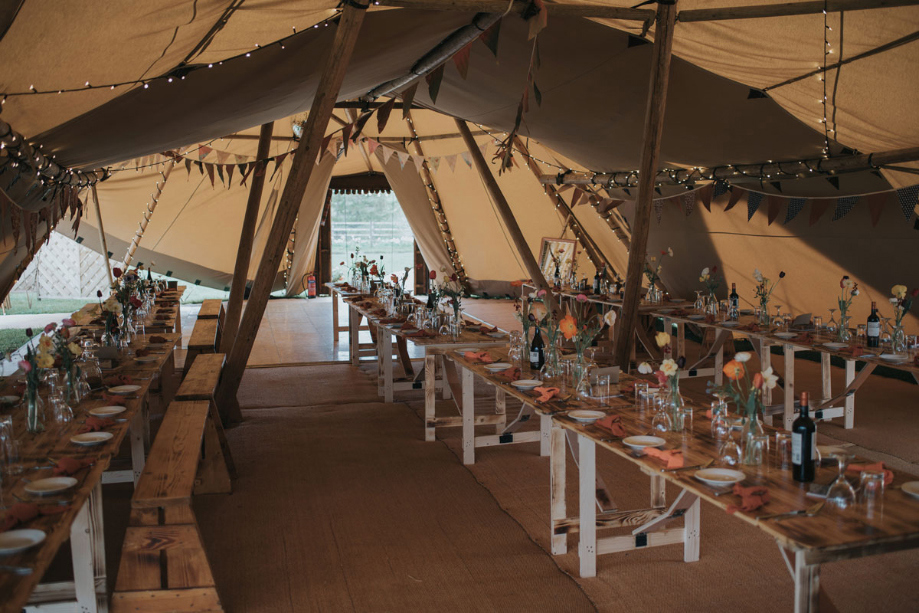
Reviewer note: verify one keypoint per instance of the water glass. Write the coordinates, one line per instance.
(861, 335)
(641, 393)
(818, 322)
(12, 462)
(601, 389)
(871, 491)
(61, 413)
(841, 494)
(783, 450)
(661, 421)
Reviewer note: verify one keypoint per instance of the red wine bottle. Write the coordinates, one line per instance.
(803, 445)
(874, 327)
(537, 351)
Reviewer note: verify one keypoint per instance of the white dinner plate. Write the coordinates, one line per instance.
(746, 311)
(586, 416)
(640, 442)
(827, 451)
(8, 400)
(496, 366)
(123, 390)
(835, 345)
(472, 349)
(786, 334)
(719, 477)
(14, 541)
(91, 438)
(696, 317)
(146, 359)
(730, 324)
(911, 488)
(51, 485)
(107, 411)
(497, 334)
(893, 357)
(526, 384)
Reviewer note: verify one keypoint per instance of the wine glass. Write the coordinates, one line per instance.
(841, 493)
(720, 425)
(885, 331)
(778, 314)
(831, 324)
(61, 413)
(661, 420)
(700, 304)
(730, 454)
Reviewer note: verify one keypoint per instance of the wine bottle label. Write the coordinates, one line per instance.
(874, 328)
(534, 357)
(796, 440)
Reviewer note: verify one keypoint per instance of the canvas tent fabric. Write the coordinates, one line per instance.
(593, 77)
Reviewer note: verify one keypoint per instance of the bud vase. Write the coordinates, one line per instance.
(752, 435)
(675, 406)
(35, 409)
(764, 319)
(898, 339)
(842, 332)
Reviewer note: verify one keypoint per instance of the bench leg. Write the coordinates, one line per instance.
(88, 553)
(216, 465)
(137, 432)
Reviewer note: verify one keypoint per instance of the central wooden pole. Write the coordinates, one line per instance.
(507, 216)
(246, 238)
(302, 168)
(151, 208)
(102, 242)
(650, 156)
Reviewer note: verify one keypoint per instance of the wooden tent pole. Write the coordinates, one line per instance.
(507, 216)
(104, 244)
(651, 148)
(787, 9)
(246, 238)
(300, 172)
(151, 207)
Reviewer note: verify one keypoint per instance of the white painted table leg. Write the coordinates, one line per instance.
(334, 317)
(386, 348)
(789, 415)
(680, 338)
(87, 545)
(381, 362)
(658, 491)
(692, 539)
(354, 333)
(719, 363)
(545, 433)
(468, 416)
(587, 506)
(849, 414)
(500, 409)
(557, 505)
(430, 396)
(443, 370)
(826, 376)
(136, 433)
(807, 585)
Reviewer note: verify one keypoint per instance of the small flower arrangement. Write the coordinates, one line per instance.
(902, 300)
(31, 366)
(764, 291)
(668, 376)
(849, 291)
(653, 267)
(746, 394)
(712, 283)
(522, 307)
(581, 324)
(452, 289)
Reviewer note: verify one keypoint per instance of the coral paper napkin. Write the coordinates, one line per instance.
(69, 466)
(858, 468)
(672, 458)
(751, 498)
(547, 393)
(23, 512)
(95, 424)
(478, 356)
(612, 423)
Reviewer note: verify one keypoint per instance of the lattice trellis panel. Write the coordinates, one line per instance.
(62, 268)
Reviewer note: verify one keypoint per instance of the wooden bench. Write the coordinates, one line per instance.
(164, 566)
(217, 463)
(210, 309)
(203, 340)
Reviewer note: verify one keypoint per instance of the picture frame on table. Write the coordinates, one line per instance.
(564, 250)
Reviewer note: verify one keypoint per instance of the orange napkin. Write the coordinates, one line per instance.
(111, 399)
(68, 466)
(95, 424)
(857, 468)
(23, 512)
(547, 393)
(421, 334)
(673, 459)
(750, 328)
(804, 339)
(484, 329)
(751, 498)
(391, 320)
(115, 380)
(512, 374)
(479, 356)
(156, 339)
(612, 423)
(679, 313)
(142, 353)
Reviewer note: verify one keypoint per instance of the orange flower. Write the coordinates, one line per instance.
(568, 327)
(374, 270)
(733, 370)
(516, 283)
(758, 381)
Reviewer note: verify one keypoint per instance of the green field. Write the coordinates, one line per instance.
(11, 340)
(27, 303)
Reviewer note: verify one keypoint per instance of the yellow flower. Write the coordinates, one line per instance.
(75, 349)
(663, 339)
(44, 342)
(898, 291)
(669, 367)
(44, 360)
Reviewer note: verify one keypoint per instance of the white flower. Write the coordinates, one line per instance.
(610, 318)
(669, 251)
(894, 301)
(743, 356)
(848, 283)
(758, 275)
(532, 295)
(769, 379)
(669, 367)
(705, 271)
(645, 368)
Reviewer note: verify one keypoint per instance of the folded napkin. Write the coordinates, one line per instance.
(750, 328)
(512, 374)
(804, 339)
(378, 312)
(95, 424)
(23, 512)
(142, 353)
(391, 320)
(479, 356)
(612, 423)
(751, 498)
(113, 380)
(421, 334)
(484, 329)
(679, 313)
(858, 468)
(156, 339)
(546, 393)
(111, 399)
(69, 466)
(672, 458)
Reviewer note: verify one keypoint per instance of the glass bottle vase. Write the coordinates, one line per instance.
(898, 339)
(843, 335)
(764, 319)
(551, 369)
(35, 410)
(752, 430)
(675, 406)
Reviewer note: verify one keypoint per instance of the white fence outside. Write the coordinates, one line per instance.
(64, 269)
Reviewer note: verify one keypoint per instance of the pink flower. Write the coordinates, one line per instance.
(582, 298)
(50, 327)
(25, 365)
(661, 377)
(68, 322)
(915, 292)
(541, 293)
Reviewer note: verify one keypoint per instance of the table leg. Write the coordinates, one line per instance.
(430, 396)
(378, 341)
(719, 362)
(789, 416)
(680, 338)
(765, 360)
(692, 532)
(136, 433)
(658, 491)
(385, 337)
(468, 416)
(354, 324)
(557, 505)
(587, 506)
(500, 409)
(87, 545)
(849, 413)
(545, 434)
(826, 376)
(334, 317)
(807, 585)
(443, 370)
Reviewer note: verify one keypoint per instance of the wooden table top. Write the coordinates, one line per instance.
(35, 449)
(897, 524)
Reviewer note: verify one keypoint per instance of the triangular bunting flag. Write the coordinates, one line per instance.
(372, 145)
(230, 169)
(538, 21)
(418, 161)
(242, 172)
(705, 195)
(843, 206)
(461, 60)
(818, 208)
(907, 197)
(200, 167)
(324, 145)
(834, 181)
(386, 153)
(484, 149)
(467, 157)
(451, 162)
(576, 197)
(403, 158)
(260, 167)
(688, 202)
(203, 150)
(434, 79)
(490, 37)
(187, 167)
(222, 156)
(795, 205)
(345, 134)
(658, 208)
(383, 114)
(876, 203)
(777, 185)
(720, 188)
(210, 173)
(736, 193)
(753, 200)
(359, 126)
(407, 97)
(240, 159)
(277, 164)
(773, 206)
(434, 163)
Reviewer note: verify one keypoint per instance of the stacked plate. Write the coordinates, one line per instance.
(526, 384)
(497, 366)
